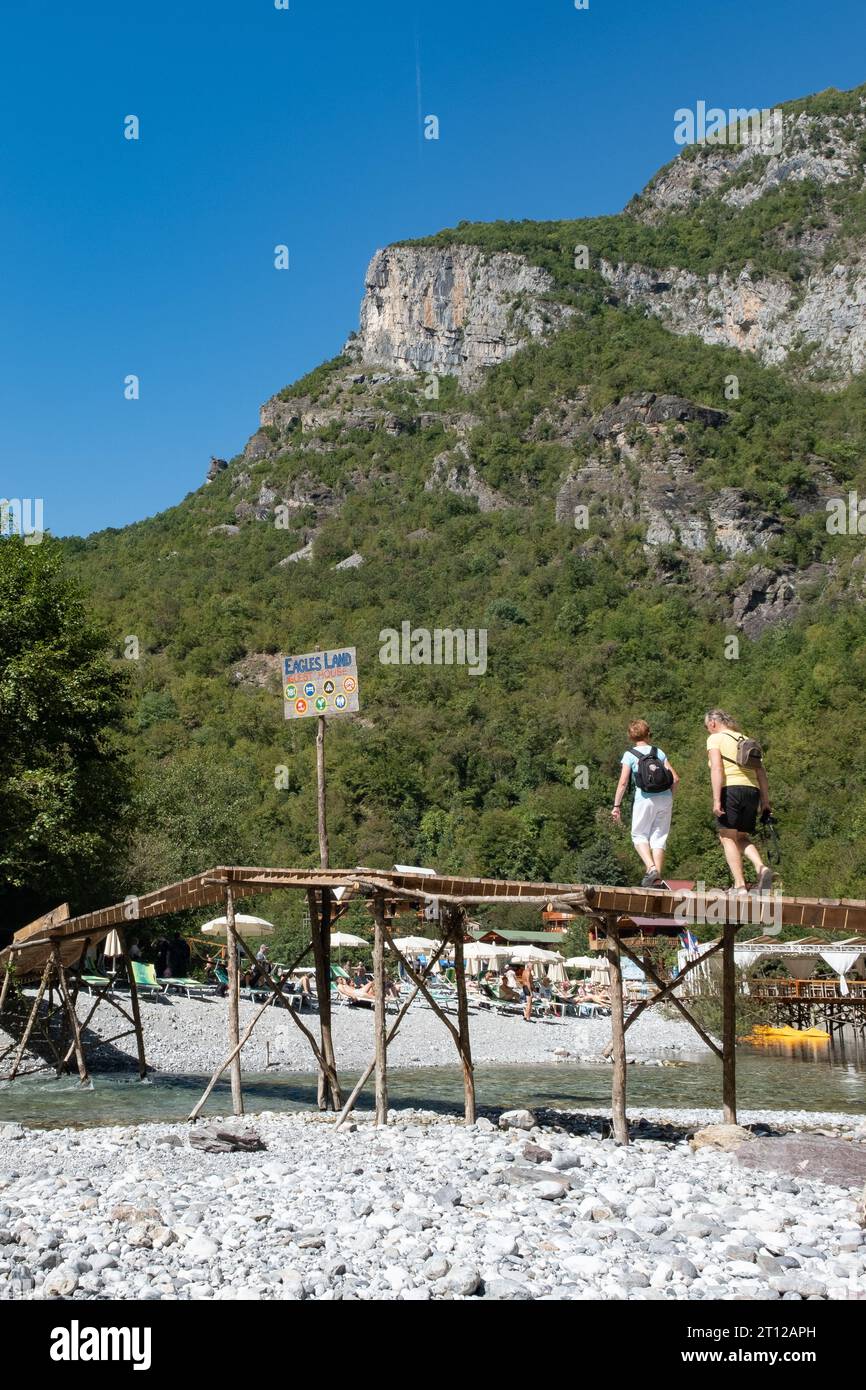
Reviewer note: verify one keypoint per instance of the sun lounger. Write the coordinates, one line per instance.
(187, 985)
(146, 982)
(92, 980)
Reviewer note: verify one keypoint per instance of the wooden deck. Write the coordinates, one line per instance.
(809, 1003)
(808, 990)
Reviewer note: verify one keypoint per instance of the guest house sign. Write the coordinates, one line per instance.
(320, 683)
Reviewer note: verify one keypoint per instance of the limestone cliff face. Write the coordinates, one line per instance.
(637, 471)
(451, 310)
(823, 148)
(766, 316)
(823, 315)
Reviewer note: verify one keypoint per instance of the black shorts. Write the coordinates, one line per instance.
(740, 809)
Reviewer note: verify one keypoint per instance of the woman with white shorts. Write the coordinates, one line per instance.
(653, 808)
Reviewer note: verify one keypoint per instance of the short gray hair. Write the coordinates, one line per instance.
(720, 716)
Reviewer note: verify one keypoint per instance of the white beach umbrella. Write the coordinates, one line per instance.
(484, 950)
(534, 953)
(345, 938)
(581, 963)
(414, 945)
(246, 925)
(111, 945)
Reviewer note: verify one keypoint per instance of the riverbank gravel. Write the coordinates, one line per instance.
(189, 1035)
(423, 1209)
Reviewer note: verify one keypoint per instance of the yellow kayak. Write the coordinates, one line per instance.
(764, 1034)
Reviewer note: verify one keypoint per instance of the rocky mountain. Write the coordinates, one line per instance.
(609, 444)
(757, 247)
(454, 312)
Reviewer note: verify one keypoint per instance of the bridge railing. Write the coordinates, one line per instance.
(806, 989)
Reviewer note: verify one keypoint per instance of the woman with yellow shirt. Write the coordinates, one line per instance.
(740, 792)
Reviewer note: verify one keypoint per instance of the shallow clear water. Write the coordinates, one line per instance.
(813, 1078)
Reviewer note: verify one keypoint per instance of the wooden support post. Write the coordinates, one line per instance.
(4, 988)
(133, 1003)
(729, 1025)
(233, 1000)
(617, 1020)
(404, 1009)
(277, 990)
(28, 1029)
(330, 1097)
(379, 1010)
(320, 793)
(323, 986)
(320, 930)
(455, 920)
(71, 1015)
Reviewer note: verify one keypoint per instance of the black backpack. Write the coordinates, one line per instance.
(651, 775)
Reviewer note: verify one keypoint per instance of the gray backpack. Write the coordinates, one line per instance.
(749, 752)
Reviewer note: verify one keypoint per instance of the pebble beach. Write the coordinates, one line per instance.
(515, 1207)
(189, 1035)
(521, 1205)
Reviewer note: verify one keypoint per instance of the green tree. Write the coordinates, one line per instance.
(63, 786)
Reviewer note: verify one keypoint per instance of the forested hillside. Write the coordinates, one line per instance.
(706, 520)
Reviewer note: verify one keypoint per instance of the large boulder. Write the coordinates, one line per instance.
(517, 1119)
(727, 1137)
(225, 1141)
(835, 1161)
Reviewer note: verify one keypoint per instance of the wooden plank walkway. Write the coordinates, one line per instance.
(31, 946)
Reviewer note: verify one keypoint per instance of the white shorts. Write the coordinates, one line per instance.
(651, 820)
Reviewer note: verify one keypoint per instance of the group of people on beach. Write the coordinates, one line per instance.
(518, 984)
(740, 792)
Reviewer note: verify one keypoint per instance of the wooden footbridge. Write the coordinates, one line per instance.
(51, 951)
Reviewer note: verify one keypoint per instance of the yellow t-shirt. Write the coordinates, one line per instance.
(735, 776)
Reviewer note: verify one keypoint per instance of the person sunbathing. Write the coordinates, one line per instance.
(508, 992)
(366, 993)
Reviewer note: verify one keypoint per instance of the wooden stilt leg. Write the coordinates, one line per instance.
(234, 995)
(4, 989)
(277, 990)
(71, 1015)
(28, 1029)
(320, 931)
(323, 986)
(365, 1076)
(729, 1026)
(134, 1004)
(463, 1021)
(335, 1098)
(617, 1019)
(379, 1010)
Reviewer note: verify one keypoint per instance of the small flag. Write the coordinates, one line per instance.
(689, 943)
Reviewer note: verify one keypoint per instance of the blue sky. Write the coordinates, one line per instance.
(262, 126)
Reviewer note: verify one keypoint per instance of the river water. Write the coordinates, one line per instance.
(795, 1078)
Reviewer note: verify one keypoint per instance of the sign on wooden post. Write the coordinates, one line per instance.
(320, 684)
